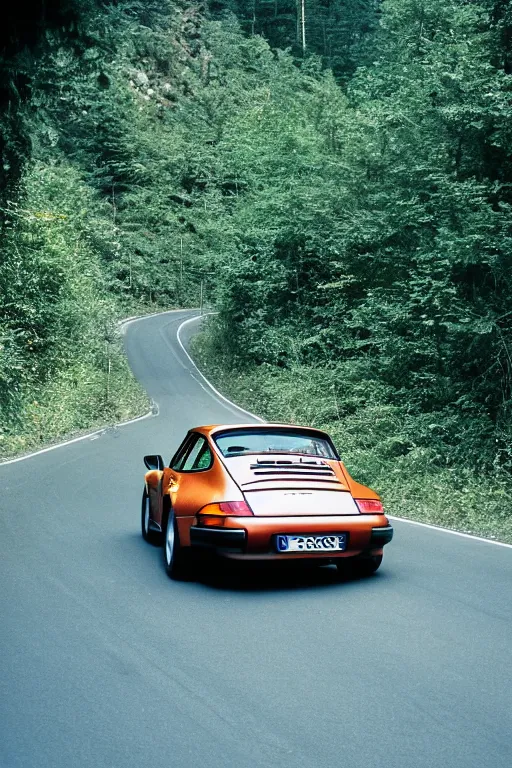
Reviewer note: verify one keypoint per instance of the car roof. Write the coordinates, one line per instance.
(212, 429)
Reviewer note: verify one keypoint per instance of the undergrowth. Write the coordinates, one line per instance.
(83, 397)
(375, 441)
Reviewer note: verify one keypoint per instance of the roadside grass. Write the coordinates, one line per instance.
(87, 395)
(375, 441)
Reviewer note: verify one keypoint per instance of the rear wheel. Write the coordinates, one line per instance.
(177, 559)
(364, 565)
(145, 516)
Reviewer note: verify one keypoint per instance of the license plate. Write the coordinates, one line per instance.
(334, 542)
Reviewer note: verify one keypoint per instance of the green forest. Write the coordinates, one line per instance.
(335, 176)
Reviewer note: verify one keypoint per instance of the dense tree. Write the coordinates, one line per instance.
(348, 211)
(378, 231)
(340, 31)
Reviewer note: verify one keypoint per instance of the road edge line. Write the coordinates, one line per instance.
(135, 318)
(390, 517)
(450, 530)
(154, 410)
(214, 390)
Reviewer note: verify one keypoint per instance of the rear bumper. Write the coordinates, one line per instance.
(381, 535)
(218, 538)
(254, 537)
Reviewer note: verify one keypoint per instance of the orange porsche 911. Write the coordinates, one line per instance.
(261, 492)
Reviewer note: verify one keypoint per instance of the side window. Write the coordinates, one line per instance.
(200, 457)
(204, 459)
(180, 455)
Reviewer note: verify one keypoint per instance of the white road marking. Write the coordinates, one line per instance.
(135, 318)
(88, 436)
(449, 530)
(98, 432)
(209, 384)
(391, 517)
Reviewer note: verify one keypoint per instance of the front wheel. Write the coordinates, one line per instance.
(176, 558)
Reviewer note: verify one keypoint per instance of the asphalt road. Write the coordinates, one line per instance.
(106, 663)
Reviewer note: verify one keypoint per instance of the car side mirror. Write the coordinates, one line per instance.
(154, 462)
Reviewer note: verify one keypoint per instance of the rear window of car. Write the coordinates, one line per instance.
(240, 442)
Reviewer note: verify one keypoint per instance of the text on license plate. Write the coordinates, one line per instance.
(326, 543)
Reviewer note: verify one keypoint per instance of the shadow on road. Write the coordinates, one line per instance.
(234, 576)
(267, 577)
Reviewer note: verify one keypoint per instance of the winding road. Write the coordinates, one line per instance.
(106, 663)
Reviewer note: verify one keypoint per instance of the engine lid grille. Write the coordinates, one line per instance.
(292, 470)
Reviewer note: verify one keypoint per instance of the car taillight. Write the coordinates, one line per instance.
(215, 514)
(370, 506)
(238, 508)
(213, 521)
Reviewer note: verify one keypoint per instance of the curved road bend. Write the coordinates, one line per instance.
(106, 663)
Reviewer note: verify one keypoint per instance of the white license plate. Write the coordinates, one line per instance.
(334, 542)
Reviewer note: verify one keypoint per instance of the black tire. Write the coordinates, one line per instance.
(177, 559)
(153, 537)
(362, 566)
(366, 566)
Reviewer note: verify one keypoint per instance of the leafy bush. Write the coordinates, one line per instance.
(381, 445)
